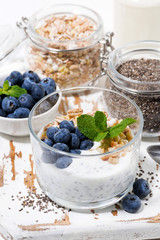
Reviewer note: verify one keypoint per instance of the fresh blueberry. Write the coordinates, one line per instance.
(15, 78)
(74, 141)
(11, 115)
(79, 134)
(32, 75)
(68, 125)
(51, 131)
(0, 101)
(62, 136)
(46, 82)
(72, 122)
(141, 188)
(63, 162)
(53, 99)
(26, 101)
(47, 157)
(49, 142)
(21, 112)
(9, 104)
(2, 113)
(86, 144)
(131, 203)
(37, 91)
(43, 107)
(28, 83)
(76, 151)
(49, 90)
(61, 146)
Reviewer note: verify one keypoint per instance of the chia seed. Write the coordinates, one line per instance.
(144, 70)
(37, 201)
(147, 70)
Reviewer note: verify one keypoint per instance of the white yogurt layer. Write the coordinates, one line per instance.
(88, 179)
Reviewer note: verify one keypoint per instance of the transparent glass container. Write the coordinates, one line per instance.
(146, 94)
(69, 62)
(91, 181)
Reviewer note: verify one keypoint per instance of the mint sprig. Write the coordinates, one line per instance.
(14, 91)
(117, 129)
(95, 128)
(6, 85)
(87, 126)
(100, 121)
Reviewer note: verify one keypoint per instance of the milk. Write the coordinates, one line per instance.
(136, 20)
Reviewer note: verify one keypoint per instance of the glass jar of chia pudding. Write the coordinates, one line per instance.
(63, 43)
(84, 174)
(134, 70)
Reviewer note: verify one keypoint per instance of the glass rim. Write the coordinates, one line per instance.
(34, 35)
(32, 132)
(123, 47)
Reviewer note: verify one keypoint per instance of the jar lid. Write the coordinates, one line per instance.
(6, 40)
(10, 38)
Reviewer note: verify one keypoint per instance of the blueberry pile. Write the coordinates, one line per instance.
(66, 138)
(12, 107)
(132, 202)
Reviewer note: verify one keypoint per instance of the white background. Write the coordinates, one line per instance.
(12, 10)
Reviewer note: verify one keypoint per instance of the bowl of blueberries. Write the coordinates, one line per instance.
(19, 92)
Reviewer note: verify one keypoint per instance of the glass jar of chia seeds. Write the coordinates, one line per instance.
(63, 43)
(134, 70)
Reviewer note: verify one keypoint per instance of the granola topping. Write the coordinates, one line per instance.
(106, 145)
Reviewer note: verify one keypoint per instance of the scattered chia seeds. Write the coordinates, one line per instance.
(37, 201)
(151, 177)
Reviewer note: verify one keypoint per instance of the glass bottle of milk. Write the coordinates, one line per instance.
(136, 20)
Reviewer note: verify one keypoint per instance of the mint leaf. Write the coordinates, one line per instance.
(86, 125)
(95, 128)
(5, 92)
(100, 121)
(6, 85)
(100, 136)
(16, 91)
(117, 129)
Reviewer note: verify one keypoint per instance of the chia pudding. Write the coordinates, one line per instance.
(91, 176)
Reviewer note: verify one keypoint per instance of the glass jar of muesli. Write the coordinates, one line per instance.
(63, 43)
(134, 70)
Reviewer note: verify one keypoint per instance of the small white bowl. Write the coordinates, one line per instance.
(19, 127)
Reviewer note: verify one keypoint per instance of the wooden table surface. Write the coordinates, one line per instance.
(26, 213)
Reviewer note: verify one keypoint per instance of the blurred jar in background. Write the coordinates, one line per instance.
(136, 20)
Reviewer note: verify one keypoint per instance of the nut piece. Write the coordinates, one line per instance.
(75, 113)
(113, 160)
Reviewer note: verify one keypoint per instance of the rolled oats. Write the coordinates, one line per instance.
(61, 33)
